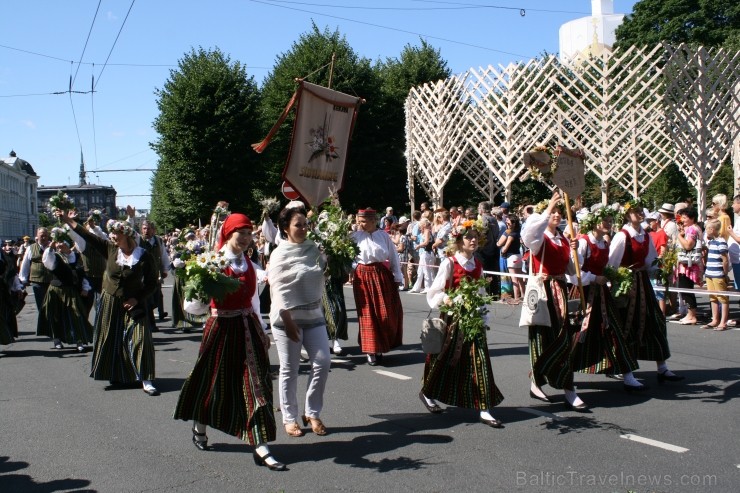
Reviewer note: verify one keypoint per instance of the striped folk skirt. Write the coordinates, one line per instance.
(379, 310)
(600, 346)
(643, 323)
(63, 316)
(335, 311)
(550, 347)
(180, 318)
(230, 387)
(8, 322)
(461, 374)
(123, 350)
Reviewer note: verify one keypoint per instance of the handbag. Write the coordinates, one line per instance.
(534, 305)
(433, 333)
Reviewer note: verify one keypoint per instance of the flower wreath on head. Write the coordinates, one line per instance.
(119, 227)
(59, 235)
(541, 206)
(593, 218)
(96, 215)
(465, 227)
(621, 216)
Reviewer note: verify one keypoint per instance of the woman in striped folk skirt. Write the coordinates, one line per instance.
(550, 347)
(375, 285)
(10, 287)
(642, 320)
(180, 318)
(123, 350)
(600, 346)
(461, 374)
(230, 387)
(63, 315)
(335, 311)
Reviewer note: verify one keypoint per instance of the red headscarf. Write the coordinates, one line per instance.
(233, 222)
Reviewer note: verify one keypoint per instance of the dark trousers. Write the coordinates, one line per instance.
(39, 292)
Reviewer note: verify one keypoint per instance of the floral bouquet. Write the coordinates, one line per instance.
(541, 163)
(96, 216)
(59, 235)
(61, 202)
(666, 266)
(621, 280)
(204, 279)
(220, 212)
(469, 307)
(270, 205)
(332, 234)
(186, 249)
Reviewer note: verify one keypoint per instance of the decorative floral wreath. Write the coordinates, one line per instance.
(541, 206)
(59, 235)
(589, 222)
(637, 203)
(96, 215)
(465, 227)
(119, 227)
(538, 169)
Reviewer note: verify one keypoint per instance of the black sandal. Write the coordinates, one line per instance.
(262, 461)
(200, 444)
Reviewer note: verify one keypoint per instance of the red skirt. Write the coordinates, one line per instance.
(379, 309)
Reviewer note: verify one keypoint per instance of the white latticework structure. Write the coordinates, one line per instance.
(631, 112)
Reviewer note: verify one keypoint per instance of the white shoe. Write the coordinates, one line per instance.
(337, 348)
(149, 388)
(415, 291)
(423, 291)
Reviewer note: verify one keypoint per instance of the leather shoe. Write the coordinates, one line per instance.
(539, 398)
(262, 461)
(662, 377)
(635, 388)
(580, 408)
(493, 423)
(435, 409)
(201, 444)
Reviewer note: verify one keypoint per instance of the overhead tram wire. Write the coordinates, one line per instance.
(92, 110)
(114, 43)
(74, 115)
(84, 48)
(462, 43)
(456, 6)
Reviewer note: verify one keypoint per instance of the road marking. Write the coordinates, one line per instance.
(392, 375)
(537, 412)
(655, 443)
(339, 360)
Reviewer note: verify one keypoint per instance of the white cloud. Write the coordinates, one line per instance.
(28, 123)
(111, 16)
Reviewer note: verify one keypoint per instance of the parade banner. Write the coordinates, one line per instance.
(569, 175)
(320, 144)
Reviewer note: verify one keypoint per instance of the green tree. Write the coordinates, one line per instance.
(671, 186)
(698, 22)
(207, 122)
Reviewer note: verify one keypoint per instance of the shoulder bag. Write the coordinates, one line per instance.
(534, 306)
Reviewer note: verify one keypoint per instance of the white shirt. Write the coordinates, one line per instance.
(732, 245)
(616, 248)
(584, 253)
(533, 237)
(50, 262)
(25, 271)
(377, 247)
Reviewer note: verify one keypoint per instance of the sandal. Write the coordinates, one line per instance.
(708, 326)
(293, 430)
(720, 328)
(317, 426)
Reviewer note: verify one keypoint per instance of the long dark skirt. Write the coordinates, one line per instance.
(180, 318)
(8, 322)
(335, 311)
(123, 350)
(600, 346)
(230, 387)
(63, 316)
(643, 323)
(461, 374)
(379, 309)
(550, 347)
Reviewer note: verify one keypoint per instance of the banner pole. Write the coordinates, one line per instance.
(331, 68)
(574, 252)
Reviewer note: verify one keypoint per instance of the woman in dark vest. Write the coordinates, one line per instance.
(123, 350)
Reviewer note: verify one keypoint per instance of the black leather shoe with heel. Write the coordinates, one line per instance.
(262, 461)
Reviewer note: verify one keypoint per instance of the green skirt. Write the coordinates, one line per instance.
(63, 316)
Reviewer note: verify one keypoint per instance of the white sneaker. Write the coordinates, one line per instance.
(337, 348)
(149, 388)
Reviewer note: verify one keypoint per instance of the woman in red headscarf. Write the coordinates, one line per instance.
(230, 387)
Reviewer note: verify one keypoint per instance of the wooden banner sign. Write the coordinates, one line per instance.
(570, 174)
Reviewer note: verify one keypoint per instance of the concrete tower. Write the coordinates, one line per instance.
(590, 35)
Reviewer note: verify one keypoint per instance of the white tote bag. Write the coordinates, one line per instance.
(534, 305)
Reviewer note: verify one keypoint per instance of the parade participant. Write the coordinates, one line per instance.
(123, 350)
(550, 347)
(22, 251)
(461, 374)
(600, 346)
(64, 315)
(230, 387)
(149, 241)
(93, 261)
(642, 321)
(296, 279)
(32, 271)
(375, 287)
(10, 291)
(190, 245)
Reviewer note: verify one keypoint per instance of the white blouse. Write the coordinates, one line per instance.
(616, 249)
(533, 237)
(377, 247)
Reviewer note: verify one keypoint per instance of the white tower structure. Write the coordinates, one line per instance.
(590, 35)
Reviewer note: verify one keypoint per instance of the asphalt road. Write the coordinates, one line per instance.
(61, 431)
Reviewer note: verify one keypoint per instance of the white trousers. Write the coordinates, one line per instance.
(425, 273)
(316, 343)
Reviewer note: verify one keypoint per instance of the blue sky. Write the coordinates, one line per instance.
(42, 44)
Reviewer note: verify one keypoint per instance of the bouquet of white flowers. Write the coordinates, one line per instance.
(204, 278)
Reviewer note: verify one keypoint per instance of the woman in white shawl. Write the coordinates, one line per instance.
(296, 278)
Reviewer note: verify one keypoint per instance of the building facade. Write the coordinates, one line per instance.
(86, 198)
(18, 198)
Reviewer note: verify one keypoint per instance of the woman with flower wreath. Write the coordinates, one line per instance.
(375, 286)
(123, 350)
(643, 323)
(600, 346)
(230, 387)
(550, 346)
(461, 374)
(63, 315)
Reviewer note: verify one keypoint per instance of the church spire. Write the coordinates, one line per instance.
(82, 170)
